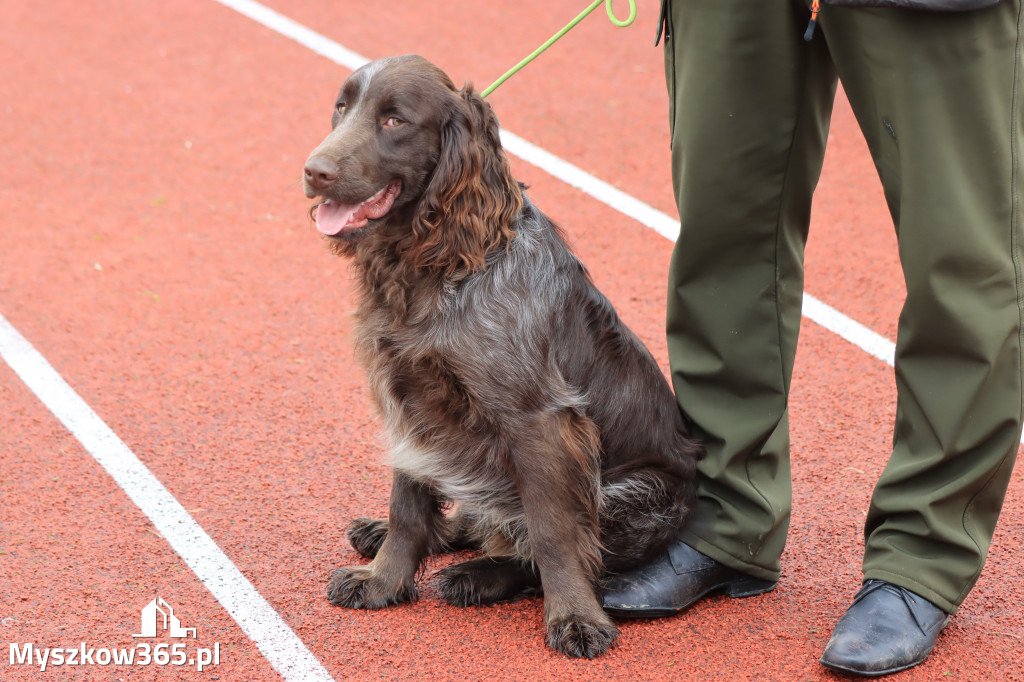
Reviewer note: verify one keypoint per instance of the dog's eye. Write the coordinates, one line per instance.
(393, 122)
(341, 109)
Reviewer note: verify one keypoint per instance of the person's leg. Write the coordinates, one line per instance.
(751, 103)
(939, 97)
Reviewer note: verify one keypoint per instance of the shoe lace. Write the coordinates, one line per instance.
(909, 599)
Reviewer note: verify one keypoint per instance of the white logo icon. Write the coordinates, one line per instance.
(170, 622)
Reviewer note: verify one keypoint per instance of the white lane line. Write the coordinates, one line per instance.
(864, 338)
(303, 35)
(258, 619)
(608, 194)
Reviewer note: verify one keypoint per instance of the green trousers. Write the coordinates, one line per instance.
(940, 100)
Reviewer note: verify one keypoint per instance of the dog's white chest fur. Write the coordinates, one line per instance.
(457, 478)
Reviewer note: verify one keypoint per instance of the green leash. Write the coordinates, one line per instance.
(551, 41)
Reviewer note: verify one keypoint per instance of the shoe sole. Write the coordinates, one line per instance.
(870, 673)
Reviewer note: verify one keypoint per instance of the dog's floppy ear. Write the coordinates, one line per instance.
(472, 201)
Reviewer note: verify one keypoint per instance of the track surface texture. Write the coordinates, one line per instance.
(156, 251)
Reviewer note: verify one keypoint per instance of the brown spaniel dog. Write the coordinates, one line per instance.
(506, 381)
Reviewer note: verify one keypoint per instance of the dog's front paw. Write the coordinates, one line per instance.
(367, 535)
(358, 587)
(576, 637)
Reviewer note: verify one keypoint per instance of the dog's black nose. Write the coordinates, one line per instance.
(320, 172)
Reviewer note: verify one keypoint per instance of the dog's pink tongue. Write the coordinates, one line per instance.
(332, 218)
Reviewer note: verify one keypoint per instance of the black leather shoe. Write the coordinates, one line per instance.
(887, 629)
(674, 580)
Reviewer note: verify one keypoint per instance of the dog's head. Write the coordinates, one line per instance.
(414, 158)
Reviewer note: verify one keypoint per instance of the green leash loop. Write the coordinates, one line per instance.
(568, 27)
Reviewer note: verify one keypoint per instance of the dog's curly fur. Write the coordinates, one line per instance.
(506, 381)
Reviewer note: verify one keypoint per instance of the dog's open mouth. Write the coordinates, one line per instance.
(333, 218)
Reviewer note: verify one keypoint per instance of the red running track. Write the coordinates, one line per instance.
(156, 251)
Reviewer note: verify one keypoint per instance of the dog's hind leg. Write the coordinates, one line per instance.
(414, 530)
(643, 505)
(488, 580)
(367, 535)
